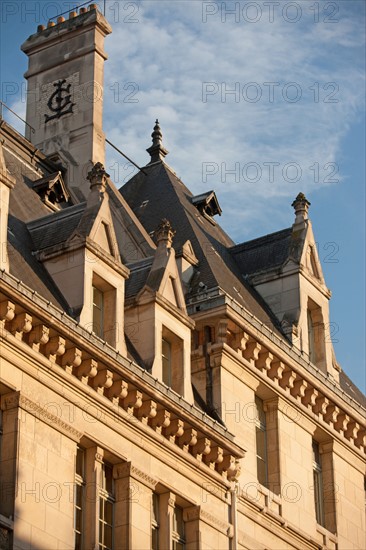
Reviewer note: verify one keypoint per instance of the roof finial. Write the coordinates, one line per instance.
(157, 151)
(301, 206)
(98, 179)
(164, 233)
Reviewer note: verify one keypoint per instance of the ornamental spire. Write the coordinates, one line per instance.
(157, 151)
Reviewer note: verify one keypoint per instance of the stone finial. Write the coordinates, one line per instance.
(157, 151)
(164, 233)
(98, 183)
(301, 206)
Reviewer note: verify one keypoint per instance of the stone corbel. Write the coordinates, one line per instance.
(215, 456)
(38, 336)
(276, 371)
(117, 391)
(352, 429)
(55, 347)
(332, 414)
(87, 369)
(71, 360)
(360, 440)
(251, 352)
(202, 447)
(7, 312)
(321, 405)
(288, 379)
(21, 324)
(132, 401)
(342, 422)
(174, 430)
(241, 342)
(188, 439)
(310, 397)
(264, 362)
(298, 389)
(147, 410)
(230, 467)
(160, 421)
(102, 380)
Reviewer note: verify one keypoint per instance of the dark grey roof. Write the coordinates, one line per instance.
(55, 228)
(138, 277)
(161, 194)
(349, 387)
(263, 254)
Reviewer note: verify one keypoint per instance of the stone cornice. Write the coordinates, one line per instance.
(18, 400)
(218, 303)
(303, 392)
(71, 348)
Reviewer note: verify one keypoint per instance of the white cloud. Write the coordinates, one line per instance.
(169, 55)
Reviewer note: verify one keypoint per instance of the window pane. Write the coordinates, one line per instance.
(262, 472)
(261, 443)
(108, 512)
(80, 462)
(166, 360)
(98, 312)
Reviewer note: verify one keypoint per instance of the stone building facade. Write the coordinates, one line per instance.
(160, 386)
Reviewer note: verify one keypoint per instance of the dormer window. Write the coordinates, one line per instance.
(172, 360)
(52, 191)
(316, 336)
(166, 358)
(104, 310)
(98, 312)
(208, 205)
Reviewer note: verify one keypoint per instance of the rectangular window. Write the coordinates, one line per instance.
(318, 485)
(179, 539)
(172, 360)
(261, 442)
(79, 496)
(106, 507)
(98, 312)
(155, 522)
(311, 338)
(166, 355)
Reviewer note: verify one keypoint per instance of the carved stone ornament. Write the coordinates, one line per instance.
(60, 102)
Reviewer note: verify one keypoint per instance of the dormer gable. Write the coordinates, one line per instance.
(52, 191)
(164, 276)
(156, 319)
(79, 249)
(291, 281)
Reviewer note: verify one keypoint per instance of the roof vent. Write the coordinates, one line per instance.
(207, 204)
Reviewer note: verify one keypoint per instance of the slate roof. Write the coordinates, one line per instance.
(351, 389)
(24, 206)
(161, 194)
(263, 254)
(138, 277)
(55, 228)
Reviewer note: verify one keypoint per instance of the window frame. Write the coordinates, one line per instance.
(261, 428)
(318, 486)
(106, 497)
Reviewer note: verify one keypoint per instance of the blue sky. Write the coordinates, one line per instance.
(258, 104)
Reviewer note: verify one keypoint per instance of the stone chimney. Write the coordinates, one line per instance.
(65, 92)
